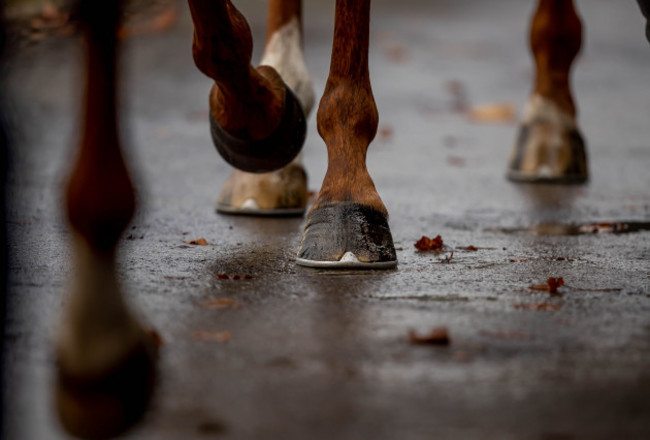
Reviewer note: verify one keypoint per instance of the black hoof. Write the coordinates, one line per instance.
(347, 235)
(103, 407)
(271, 153)
(547, 153)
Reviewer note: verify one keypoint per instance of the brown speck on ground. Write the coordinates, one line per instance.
(198, 242)
(425, 244)
(437, 336)
(552, 284)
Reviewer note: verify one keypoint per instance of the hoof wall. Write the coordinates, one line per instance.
(103, 407)
(279, 193)
(347, 236)
(271, 153)
(549, 148)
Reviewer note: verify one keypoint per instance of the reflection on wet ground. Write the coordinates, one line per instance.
(619, 227)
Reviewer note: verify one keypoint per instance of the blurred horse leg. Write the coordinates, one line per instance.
(281, 192)
(105, 357)
(550, 147)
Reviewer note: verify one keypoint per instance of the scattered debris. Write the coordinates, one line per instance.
(221, 303)
(437, 336)
(223, 336)
(552, 284)
(198, 242)
(428, 244)
(447, 259)
(494, 112)
(171, 277)
(470, 248)
(543, 306)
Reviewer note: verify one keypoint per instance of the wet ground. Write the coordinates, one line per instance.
(317, 354)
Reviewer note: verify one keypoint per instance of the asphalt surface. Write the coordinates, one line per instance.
(316, 354)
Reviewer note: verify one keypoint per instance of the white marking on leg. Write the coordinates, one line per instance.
(97, 328)
(283, 52)
(539, 107)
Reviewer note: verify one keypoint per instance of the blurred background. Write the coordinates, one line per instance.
(316, 354)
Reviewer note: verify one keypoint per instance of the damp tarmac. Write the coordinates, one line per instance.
(255, 346)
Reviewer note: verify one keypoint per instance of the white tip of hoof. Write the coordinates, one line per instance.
(250, 204)
(349, 257)
(545, 171)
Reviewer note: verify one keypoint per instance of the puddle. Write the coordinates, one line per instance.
(579, 229)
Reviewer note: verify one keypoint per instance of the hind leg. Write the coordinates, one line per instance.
(281, 192)
(550, 147)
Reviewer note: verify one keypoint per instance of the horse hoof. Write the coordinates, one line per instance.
(549, 148)
(347, 235)
(104, 406)
(269, 154)
(278, 193)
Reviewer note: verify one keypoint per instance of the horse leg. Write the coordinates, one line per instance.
(549, 147)
(256, 121)
(105, 357)
(281, 192)
(347, 226)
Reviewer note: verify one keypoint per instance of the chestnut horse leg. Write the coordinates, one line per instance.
(347, 226)
(257, 123)
(549, 147)
(105, 357)
(281, 192)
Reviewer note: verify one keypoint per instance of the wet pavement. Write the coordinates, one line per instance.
(320, 354)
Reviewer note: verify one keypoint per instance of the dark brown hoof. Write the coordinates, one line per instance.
(347, 235)
(105, 406)
(271, 153)
(549, 148)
